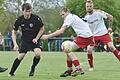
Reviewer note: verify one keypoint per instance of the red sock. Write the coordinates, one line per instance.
(76, 63)
(116, 54)
(90, 60)
(69, 63)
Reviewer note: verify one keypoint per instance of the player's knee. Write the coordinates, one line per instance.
(112, 48)
(89, 51)
(21, 56)
(37, 55)
(37, 52)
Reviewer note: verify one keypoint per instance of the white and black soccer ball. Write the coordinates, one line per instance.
(66, 46)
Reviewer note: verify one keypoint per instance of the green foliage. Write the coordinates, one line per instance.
(1, 1)
(1, 9)
(6, 19)
(51, 19)
(6, 22)
(78, 7)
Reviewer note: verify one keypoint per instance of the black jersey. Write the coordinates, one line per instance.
(30, 27)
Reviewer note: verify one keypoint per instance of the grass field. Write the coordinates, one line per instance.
(53, 64)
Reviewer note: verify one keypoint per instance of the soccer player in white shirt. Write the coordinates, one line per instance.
(95, 18)
(83, 39)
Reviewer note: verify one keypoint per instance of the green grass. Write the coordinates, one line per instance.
(53, 64)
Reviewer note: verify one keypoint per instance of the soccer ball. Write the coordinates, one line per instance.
(66, 46)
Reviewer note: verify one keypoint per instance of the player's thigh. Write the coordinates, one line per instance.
(24, 47)
(23, 50)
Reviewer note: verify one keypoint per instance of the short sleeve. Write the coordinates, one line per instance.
(16, 25)
(68, 21)
(103, 14)
(39, 22)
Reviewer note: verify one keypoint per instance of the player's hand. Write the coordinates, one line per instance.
(34, 40)
(44, 37)
(109, 29)
(15, 48)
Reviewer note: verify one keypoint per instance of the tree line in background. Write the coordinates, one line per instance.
(49, 11)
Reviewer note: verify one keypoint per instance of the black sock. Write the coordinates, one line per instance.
(15, 65)
(35, 62)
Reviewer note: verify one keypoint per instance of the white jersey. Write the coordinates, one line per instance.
(96, 22)
(80, 27)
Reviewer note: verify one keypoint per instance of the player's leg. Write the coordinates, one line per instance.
(106, 39)
(76, 63)
(36, 60)
(16, 63)
(90, 57)
(69, 66)
(22, 52)
(84, 42)
(72, 59)
(3, 69)
(114, 50)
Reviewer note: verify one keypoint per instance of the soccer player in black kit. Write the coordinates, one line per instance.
(32, 29)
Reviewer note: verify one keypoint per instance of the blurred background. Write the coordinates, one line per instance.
(48, 10)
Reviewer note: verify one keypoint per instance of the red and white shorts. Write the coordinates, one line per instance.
(104, 38)
(83, 42)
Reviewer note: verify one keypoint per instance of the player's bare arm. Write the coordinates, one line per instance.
(14, 39)
(56, 33)
(41, 31)
(110, 22)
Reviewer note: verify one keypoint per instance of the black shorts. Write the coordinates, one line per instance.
(27, 46)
